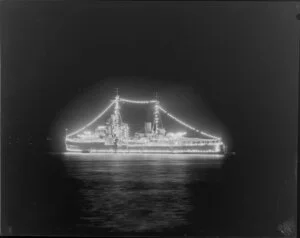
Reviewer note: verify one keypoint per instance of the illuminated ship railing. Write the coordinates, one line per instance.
(80, 140)
(175, 151)
(166, 145)
(148, 143)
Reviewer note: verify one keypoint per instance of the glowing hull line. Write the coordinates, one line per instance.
(90, 123)
(200, 141)
(186, 125)
(80, 153)
(211, 152)
(145, 145)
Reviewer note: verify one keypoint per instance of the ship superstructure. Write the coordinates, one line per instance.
(115, 135)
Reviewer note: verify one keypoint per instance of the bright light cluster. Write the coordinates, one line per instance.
(117, 112)
(125, 131)
(87, 135)
(117, 107)
(176, 135)
(156, 112)
(95, 119)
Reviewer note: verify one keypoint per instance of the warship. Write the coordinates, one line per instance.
(115, 136)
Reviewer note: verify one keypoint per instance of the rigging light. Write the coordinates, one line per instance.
(186, 125)
(206, 134)
(137, 102)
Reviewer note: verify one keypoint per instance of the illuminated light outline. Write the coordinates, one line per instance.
(156, 112)
(136, 101)
(145, 151)
(186, 141)
(83, 141)
(116, 125)
(90, 123)
(195, 142)
(214, 137)
(154, 143)
(186, 125)
(74, 150)
(178, 120)
(101, 153)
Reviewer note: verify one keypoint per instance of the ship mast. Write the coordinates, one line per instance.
(117, 114)
(156, 114)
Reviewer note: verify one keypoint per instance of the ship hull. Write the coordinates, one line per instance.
(154, 149)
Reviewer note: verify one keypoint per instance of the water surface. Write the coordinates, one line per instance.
(147, 193)
(98, 194)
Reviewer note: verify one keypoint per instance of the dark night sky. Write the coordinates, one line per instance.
(223, 66)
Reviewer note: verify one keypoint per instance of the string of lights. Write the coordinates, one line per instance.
(147, 151)
(206, 134)
(178, 120)
(116, 126)
(186, 125)
(95, 119)
(156, 112)
(137, 102)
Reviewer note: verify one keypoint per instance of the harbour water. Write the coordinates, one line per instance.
(96, 194)
(113, 194)
(139, 193)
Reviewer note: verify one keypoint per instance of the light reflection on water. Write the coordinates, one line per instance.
(137, 192)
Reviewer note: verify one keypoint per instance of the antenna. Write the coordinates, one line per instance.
(117, 91)
(156, 96)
